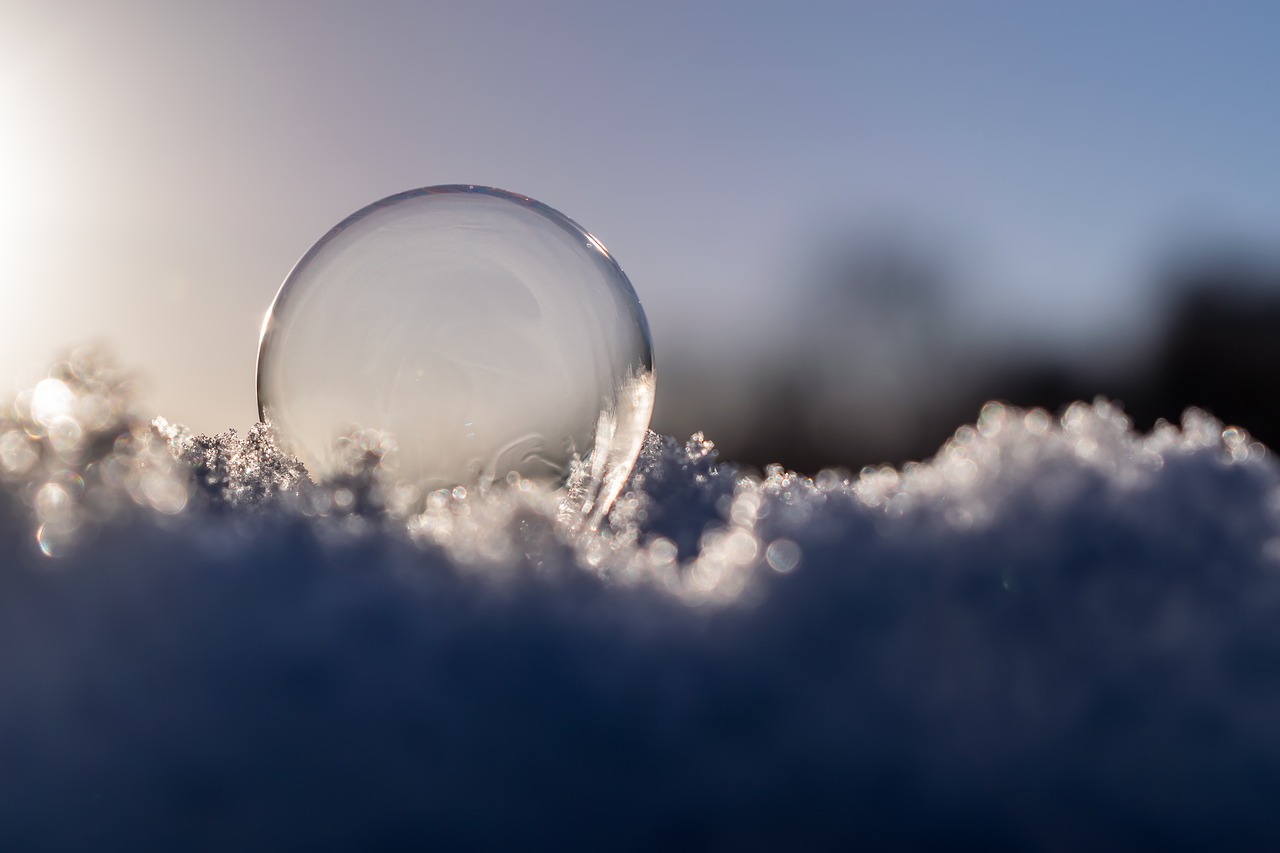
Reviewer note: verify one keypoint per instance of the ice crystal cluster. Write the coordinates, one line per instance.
(1055, 633)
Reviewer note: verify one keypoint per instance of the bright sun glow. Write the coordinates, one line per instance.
(20, 160)
(14, 183)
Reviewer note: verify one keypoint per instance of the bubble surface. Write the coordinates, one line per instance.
(484, 331)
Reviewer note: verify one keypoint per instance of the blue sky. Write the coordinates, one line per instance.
(162, 168)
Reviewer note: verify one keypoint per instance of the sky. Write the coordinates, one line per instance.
(162, 166)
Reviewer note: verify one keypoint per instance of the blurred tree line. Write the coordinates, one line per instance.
(877, 371)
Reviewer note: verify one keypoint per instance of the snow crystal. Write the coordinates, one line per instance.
(1055, 632)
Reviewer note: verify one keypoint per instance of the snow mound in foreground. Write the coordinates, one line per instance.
(1054, 633)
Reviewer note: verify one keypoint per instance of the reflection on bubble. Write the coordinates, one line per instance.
(484, 331)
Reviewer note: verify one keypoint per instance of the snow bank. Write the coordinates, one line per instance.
(1054, 633)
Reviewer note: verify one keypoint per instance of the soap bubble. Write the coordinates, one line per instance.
(484, 331)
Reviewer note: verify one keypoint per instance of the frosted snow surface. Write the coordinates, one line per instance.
(1055, 633)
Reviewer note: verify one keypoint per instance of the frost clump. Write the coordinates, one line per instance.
(1053, 632)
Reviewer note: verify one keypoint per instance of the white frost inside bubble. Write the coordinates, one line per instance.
(484, 332)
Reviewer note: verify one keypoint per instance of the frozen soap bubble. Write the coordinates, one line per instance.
(486, 332)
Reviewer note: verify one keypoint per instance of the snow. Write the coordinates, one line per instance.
(1054, 633)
